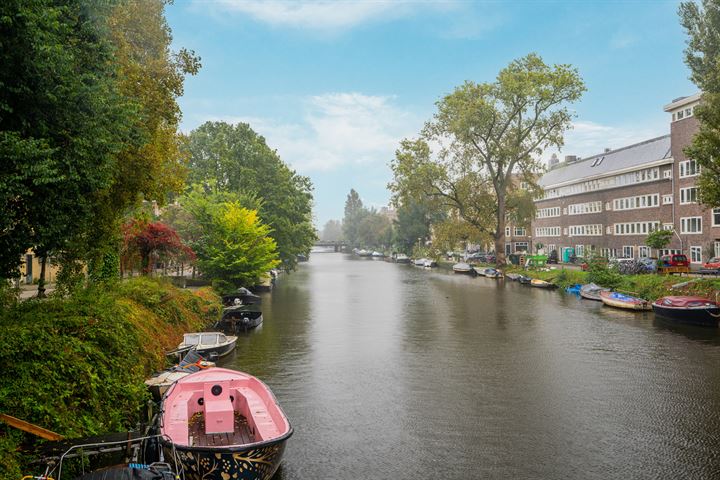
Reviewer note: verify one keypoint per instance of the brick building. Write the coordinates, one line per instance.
(609, 202)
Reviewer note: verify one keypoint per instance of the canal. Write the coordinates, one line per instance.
(394, 372)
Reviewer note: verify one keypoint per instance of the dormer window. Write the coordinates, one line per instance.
(688, 112)
(680, 115)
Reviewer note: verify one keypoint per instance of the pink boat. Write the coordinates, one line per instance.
(224, 424)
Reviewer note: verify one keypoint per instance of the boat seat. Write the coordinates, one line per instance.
(265, 427)
(178, 422)
(219, 413)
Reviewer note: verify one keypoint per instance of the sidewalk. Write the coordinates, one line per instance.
(30, 290)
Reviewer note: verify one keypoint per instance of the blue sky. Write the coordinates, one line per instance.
(334, 86)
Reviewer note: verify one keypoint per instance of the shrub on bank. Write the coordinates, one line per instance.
(76, 365)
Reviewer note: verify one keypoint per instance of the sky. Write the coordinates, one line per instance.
(334, 86)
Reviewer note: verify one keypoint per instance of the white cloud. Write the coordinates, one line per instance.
(319, 15)
(336, 129)
(589, 138)
(341, 15)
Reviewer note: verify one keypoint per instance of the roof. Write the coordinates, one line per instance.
(681, 101)
(606, 163)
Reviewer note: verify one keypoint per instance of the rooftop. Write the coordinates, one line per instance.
(606, 163)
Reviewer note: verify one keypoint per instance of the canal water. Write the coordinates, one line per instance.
(395, 372)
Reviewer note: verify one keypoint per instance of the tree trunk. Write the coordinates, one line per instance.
(41, 280)
(500, 234)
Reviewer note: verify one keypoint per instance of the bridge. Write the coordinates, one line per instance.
(335, 245)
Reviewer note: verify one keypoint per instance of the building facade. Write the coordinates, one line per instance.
(608, 203)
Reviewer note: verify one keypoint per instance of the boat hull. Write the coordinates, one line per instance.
(640, 305)
(254, 462)
(705, 317)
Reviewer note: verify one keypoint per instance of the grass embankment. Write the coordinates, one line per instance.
(76, 365)
(648, 286)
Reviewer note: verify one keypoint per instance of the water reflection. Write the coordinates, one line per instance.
(392, 371)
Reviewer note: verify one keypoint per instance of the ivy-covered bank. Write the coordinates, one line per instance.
(76, 365)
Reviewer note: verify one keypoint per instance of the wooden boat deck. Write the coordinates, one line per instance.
(198, 438)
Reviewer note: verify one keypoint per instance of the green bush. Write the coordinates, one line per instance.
(599, 273)
(76, 365)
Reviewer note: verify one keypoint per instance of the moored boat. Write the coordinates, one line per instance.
(402, 258)
(537, 283)
(492, 273)
(524, 280)
(419, 262)
(224, 424)
(463, 267)
(513, 276)
(240, 318)
(191, 363)
(242, 296)
(620, 300)
(690, 310)
(377, 254)
(574, 289)
(429, 263)
(592, 291)
(208, 344)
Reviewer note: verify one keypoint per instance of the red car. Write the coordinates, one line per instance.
(712, 264)
(674, 260)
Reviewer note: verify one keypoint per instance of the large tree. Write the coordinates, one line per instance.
(150, 78)
(414, 221)
(239, 160)
(332, 231)
(489, 137)
(702, 22)
(62, 121)
(354, 214)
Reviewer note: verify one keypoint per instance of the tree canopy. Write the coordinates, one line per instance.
(489, 137)
(88, 122)
(702, 23)
(238, 160)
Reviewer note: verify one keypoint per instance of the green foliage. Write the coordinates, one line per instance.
(702, 23)
(414, 220)
(76, 365)
(332, 231)
(235, 248)
(238, 160)
(354, 214)
(61, 123)
(600, 273)
(659, 239)
(490, 133)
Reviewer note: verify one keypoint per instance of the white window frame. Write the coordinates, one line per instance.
(643, 251)
(695, 254)
(686, 222)
(631, 249)
(523, 232)
(686, 197)
(684, 168)
(715, 215)
(667, 173)
(667, 199)
(507, 231)
(525, 244)
(717, 248)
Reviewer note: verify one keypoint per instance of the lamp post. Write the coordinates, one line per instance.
(682, 249)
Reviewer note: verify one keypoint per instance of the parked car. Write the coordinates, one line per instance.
(674, 260)
(712, 264)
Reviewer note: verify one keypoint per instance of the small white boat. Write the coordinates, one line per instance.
(377, 254)
(429, 263)
(402, 258)
(463, 267)
(420, 262)
(208, 344)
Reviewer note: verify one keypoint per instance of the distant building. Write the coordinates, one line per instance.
(388, 212)
(609, 202)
